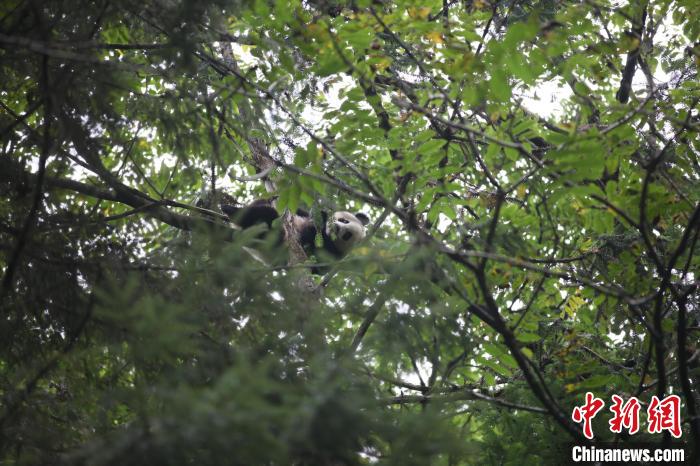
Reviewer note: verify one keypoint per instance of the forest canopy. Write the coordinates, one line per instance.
(531, 174)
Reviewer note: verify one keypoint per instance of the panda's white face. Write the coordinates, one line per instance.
(346, 230)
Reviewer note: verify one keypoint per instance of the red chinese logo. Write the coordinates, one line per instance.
(665, 415)
(626, 415)
(662, 415)
(587, 412)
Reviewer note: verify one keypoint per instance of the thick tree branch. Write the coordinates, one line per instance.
(45, 149)
(13, 173)
(462, 395)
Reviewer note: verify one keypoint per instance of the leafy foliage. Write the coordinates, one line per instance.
(521, 254)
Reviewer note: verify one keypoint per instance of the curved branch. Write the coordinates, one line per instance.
(12, 172)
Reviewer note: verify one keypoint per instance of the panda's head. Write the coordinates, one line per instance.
(346, 230)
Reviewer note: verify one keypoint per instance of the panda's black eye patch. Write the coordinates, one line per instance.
(343, 220)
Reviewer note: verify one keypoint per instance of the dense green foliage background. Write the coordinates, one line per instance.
(516, 260)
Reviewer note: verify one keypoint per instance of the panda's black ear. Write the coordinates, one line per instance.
(364, 219)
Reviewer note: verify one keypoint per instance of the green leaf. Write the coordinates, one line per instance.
(525, 337)
(431, 146)
(499, 85)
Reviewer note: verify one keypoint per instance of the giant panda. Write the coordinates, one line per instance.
(340, 232)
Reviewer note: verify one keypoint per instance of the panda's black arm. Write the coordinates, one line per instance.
(230, 210)
(246, 217)
(307, 238)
